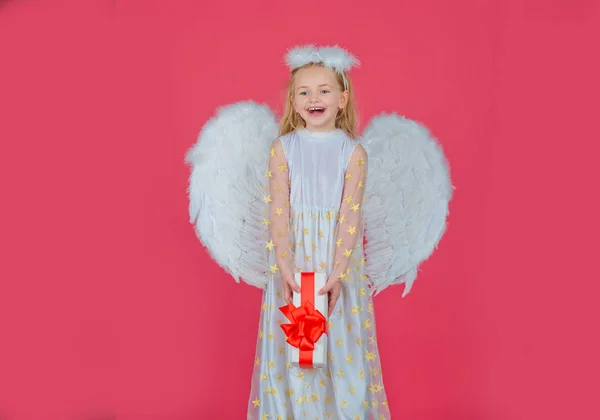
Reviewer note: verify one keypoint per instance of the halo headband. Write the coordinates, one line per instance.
(334, 58)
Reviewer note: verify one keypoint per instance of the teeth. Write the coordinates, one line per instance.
(315, 108)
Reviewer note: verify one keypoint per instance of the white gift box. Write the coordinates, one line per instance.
(321, 302)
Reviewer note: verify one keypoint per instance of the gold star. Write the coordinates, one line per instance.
(257, 361)
(322, 266)
(307, 258)
(282, 168)
(344, 404)
(347, 253)
(367, 324)
(264, 377)
(355, 207)
(267, 199)
(301, 375)
(338, 242)
(314, 246)
(278, 188)
(330, 324)
(268, 174)
(339, 342)
(356, 310)
(278, 212)
(299, 400)
(348, 199)
(342, 219)
(361, 374)
(349, 359)
(256, 403)
(273, 268)
(352, 230)
(321, 234)
(349, 175)
(270, 336)
(370, 355)
(306, 231)
(322, 383)
(365, 404)
(342, 276)
(372, 340)
(273, 152)
(270, 245)
(271, 363)
(385, 403)
(361, 292)
(268, 390)
(358, 341)
(289, 392)
(315, 396)
(301, 243)
(307, 399)
(328, 399)
(360, 184)
(360, 161)
(261, 334)
(349, 326)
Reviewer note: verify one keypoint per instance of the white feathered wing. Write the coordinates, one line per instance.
(226, 183)
(408, 189)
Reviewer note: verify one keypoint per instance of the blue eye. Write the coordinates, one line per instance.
(324, 91)
(303, 93)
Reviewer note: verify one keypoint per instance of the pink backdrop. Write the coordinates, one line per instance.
(108, 303)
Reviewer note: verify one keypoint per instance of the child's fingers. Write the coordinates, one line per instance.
(293, 285)
(333, 300)
(330, 283)
(287, 293)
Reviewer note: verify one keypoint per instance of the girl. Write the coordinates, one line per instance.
(309, 212)
(316, 178)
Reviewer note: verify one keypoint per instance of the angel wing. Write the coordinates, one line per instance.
(407, 192)
(225, 186)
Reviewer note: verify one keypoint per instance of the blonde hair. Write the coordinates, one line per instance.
(346, 119)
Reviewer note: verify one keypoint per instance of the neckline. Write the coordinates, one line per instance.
(303, 132)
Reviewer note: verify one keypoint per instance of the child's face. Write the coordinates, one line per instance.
(318, 97)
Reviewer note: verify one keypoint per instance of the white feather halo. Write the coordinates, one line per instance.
(335, 57)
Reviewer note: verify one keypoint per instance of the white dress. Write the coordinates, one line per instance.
(315, 195)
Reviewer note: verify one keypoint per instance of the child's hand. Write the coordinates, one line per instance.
(288, 283)
(334, 287)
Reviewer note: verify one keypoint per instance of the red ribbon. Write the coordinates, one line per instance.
(307, 324)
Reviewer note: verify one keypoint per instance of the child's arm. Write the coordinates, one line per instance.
(350, 221)
(279, 210)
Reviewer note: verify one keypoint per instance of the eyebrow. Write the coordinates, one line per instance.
(305, 87)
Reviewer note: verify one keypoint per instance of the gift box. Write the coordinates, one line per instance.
(306, 331)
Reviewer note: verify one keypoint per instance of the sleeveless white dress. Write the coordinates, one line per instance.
(318, 169)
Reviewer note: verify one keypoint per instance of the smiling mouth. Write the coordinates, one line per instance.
(316, 110)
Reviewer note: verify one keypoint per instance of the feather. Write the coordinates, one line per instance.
(335, 57)
(226, 184)
(408, 189)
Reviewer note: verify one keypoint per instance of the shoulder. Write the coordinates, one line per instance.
(359, 151)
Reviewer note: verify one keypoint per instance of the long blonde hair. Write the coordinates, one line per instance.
(346, 119)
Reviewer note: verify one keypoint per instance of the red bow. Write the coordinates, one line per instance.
(308, 325)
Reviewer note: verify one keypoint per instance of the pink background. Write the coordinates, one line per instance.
(109, 305)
